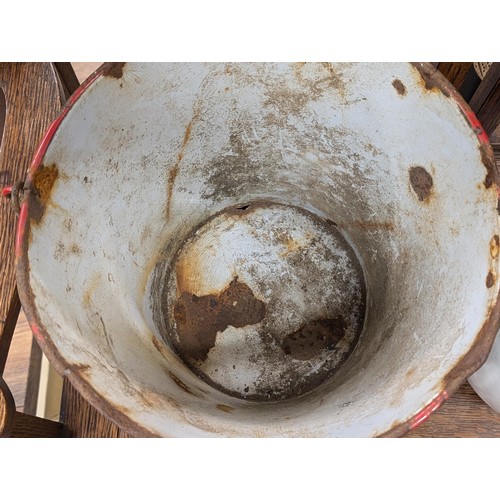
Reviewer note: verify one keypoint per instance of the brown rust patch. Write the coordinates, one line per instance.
(44, 180)
(314, 338)
(490, 279)
(494, 246)
(114, 70)
(488, 160)
(227, 409)
(199, 319)
(43, 183)
(399, 86)
(179, 383)
(421, 182)
(431, 79)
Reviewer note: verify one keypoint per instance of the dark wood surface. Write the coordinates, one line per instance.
(455, 72)
(33, 100)
(488, 112)
(7, 409)
(81, 420)
(29, 426)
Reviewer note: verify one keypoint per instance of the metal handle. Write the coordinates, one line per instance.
(14, 193)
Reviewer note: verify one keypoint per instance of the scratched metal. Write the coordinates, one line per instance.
(349, 205)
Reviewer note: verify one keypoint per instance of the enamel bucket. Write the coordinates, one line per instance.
(304, 249)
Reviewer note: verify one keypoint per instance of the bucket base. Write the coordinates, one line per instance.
(265, 301)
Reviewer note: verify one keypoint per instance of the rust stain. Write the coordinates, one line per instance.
(399, 86)
(44, 180)
(181, 384)
(488, 160)
(115, 70)
(291, 245)
(43, 183)
(175, 169)
(227, 409)
(314, 338)
(421, 182)
(170, 186)
(430, 80)
(494, 246)
(157, 345)
(490, 279)
(75, 249)
(87, 295)
(199, 319)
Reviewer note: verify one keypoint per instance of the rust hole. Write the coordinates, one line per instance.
(199, 319)
(3, 114)
(244, 207)
(421, 182)
(490, 280)
(399, 86)
(315, 337)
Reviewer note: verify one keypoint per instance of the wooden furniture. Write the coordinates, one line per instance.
(33, 94)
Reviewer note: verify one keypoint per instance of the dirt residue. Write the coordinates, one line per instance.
(225, 408)
(421, 182)
(315, 337)
(199, 319)
(368, 225)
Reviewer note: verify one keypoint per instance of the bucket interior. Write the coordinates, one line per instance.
(263, 249)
